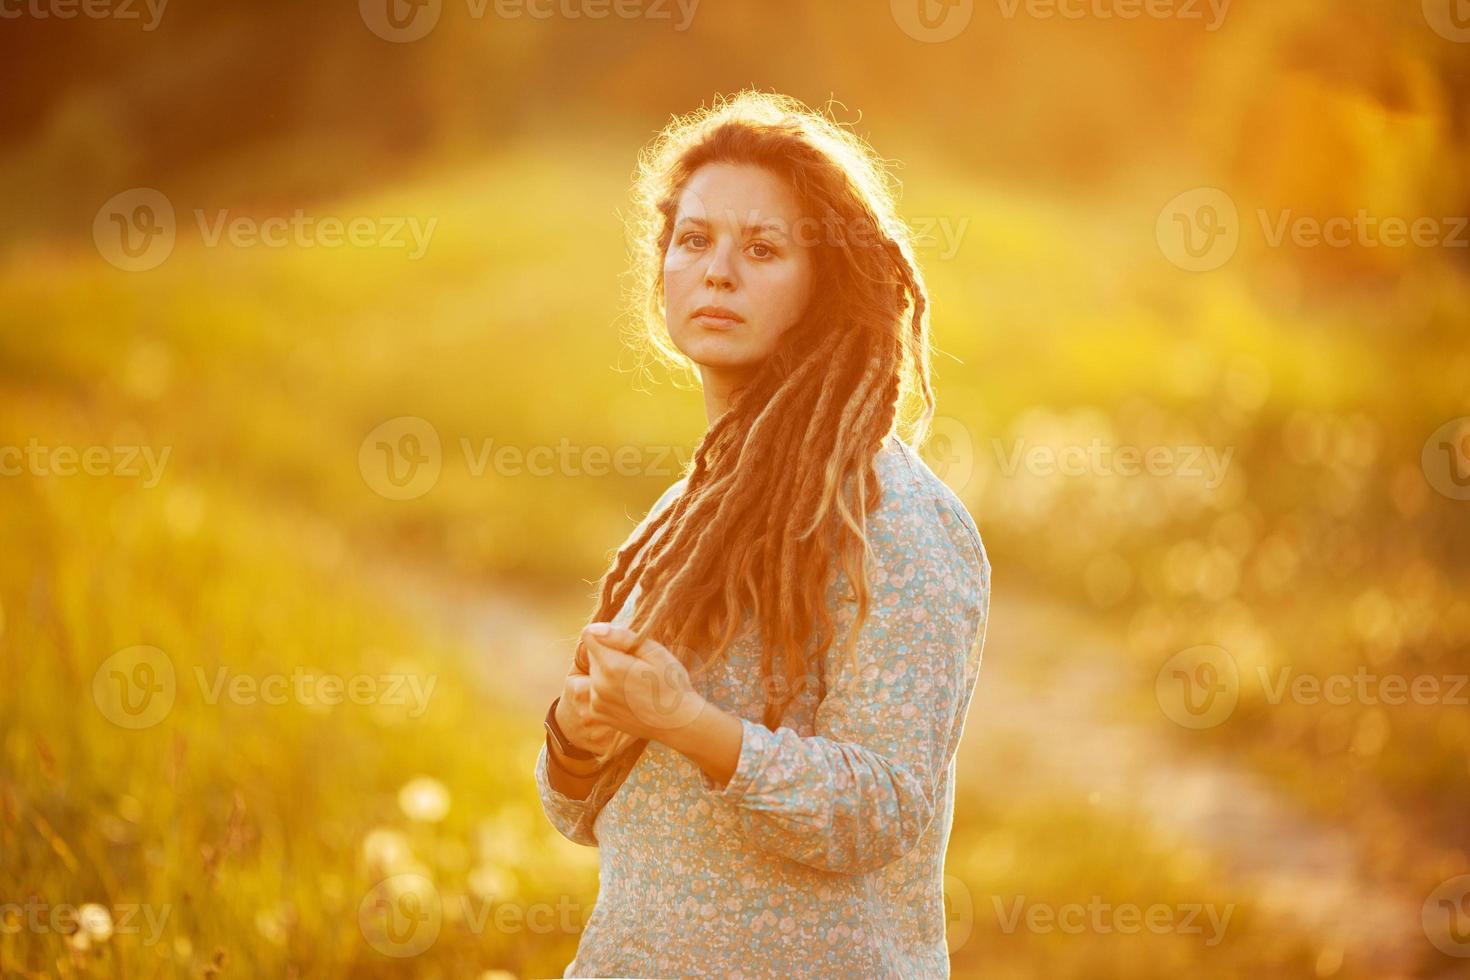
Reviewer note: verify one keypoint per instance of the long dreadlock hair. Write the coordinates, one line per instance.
(782, 483)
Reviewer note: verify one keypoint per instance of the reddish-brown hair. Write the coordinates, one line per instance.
(780, 485)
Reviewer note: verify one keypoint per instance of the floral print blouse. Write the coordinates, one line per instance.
(823, 856)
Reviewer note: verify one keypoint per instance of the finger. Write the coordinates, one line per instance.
(653, 652)
(616, 637)
(597, 735)
(595, 652)
(602, 657)
(580, 663)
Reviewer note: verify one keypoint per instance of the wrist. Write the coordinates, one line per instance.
(571, 765)
(561, 743)
(575, 768)
(713, 741)
(567, 783)
(686, 738)
(561, 718)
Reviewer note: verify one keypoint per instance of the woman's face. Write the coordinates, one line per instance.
(735, 247)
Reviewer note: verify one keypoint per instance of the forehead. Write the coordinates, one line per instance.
(735, 193)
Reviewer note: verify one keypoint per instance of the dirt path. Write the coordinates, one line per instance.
(524, 654)
(1304, 871)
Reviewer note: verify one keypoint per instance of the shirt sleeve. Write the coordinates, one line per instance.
(859, 793)
(572, 818)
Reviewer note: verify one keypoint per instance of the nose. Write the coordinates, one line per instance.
(720, 273)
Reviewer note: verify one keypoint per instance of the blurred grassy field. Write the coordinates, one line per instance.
(264, 829)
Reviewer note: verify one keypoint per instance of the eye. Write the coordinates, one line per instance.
(769, 252)
(688, 236)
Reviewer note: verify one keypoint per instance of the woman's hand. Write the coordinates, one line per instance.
(644, 692)
(574, 716)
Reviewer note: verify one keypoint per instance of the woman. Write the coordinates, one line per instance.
(759, 728)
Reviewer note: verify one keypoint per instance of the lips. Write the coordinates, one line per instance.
(717, 314)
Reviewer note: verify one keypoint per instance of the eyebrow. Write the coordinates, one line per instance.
(770, 226)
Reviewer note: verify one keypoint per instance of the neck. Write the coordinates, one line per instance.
(720, 389)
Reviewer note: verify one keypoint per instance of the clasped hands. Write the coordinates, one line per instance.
(617, 692)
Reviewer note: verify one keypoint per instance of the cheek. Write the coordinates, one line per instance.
(679, 279)
(783, 296)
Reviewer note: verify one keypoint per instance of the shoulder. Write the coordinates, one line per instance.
(920, 517)
(659, 506)
(667, 497)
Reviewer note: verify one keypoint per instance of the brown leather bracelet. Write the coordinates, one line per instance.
(557, 743)
(563, 771)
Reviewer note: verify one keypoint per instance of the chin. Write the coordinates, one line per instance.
(725, 353)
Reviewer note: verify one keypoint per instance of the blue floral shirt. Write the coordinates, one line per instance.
(823, 855)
